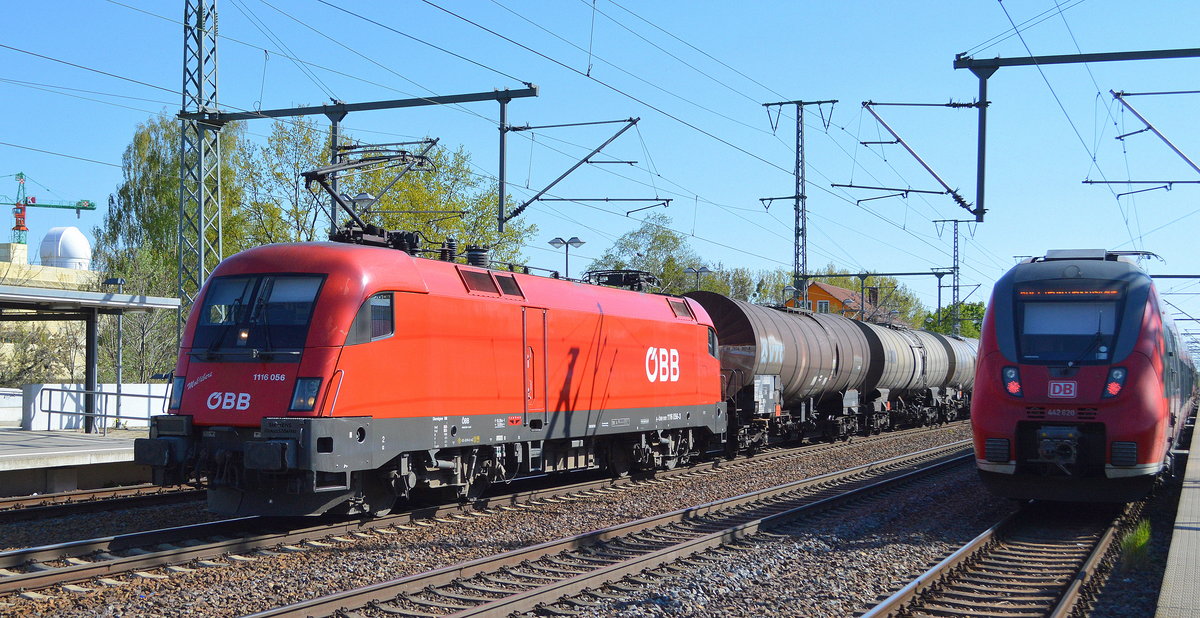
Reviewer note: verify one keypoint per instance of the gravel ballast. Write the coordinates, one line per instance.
(269, 581)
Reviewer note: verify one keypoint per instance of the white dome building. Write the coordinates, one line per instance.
(66, 247)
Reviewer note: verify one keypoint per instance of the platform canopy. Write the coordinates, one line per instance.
(73, 304)
(27, 304)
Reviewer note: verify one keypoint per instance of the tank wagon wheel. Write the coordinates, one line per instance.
(618, 459)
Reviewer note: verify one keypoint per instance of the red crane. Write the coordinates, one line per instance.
(19, 231)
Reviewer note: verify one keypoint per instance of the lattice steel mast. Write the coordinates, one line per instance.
(800, 247)
(199, 240)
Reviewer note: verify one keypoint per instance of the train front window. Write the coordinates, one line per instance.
(258, 317)
(1071, 331)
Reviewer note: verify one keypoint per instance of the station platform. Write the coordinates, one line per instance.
(1179, 595)
(55, 461)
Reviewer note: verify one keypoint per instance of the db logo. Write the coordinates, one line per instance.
(662, 365)
(228, 401)
(1062, 388)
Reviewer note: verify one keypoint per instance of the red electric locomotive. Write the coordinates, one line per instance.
(1082, 384)
(331, 377)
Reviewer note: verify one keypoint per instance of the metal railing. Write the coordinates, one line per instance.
(79, 397)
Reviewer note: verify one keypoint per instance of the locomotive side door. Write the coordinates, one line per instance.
(535, 372)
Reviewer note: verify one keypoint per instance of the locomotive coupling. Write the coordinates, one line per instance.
(1058, 445)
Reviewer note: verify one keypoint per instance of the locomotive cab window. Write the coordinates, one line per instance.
(712, 342)
(255, 317)
(375, 320)
(1074, 322)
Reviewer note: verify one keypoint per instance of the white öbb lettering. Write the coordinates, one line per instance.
(228, 401)
(662, 364)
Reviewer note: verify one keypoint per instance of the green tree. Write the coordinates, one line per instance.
(38, 353)
(656, 249)
(277, 206)
(137, 240)
(970, 319)
(143, 213)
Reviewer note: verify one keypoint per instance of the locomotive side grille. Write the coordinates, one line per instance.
(996, 450)
(1124, 453)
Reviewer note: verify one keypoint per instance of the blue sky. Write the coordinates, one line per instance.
(697, 74)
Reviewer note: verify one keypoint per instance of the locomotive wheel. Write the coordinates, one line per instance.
(378, 495)
(619, 460)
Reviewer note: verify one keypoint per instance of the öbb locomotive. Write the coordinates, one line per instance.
(334, 377)
(1083, 385)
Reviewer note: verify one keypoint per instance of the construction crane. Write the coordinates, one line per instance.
(20, 233)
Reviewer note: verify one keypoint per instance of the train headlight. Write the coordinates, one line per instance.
(304, 397)
(1114, 383)
(1012, 381)
(176, 393)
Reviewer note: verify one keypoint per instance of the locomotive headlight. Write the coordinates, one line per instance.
(176, 393)
(1012, 381)
(1114, 383)
(304, 396)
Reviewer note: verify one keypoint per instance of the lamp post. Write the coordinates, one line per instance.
(120, 283)
(566, 245)
(703, 270)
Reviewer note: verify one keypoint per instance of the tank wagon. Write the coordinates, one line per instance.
(795, 373)
(1083, 383)
(341, 377)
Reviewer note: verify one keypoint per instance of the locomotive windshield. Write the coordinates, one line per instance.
(255, 317)
(1073, 322)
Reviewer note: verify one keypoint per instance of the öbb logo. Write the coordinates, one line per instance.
(662, 364)
(228, 401)
(1062, 388)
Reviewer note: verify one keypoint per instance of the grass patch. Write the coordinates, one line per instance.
(1135, 547)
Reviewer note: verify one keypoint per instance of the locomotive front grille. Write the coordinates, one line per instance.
(1124, 453)
(996, 450)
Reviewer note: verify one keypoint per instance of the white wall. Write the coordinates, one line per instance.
(10, 407)
(39, 400)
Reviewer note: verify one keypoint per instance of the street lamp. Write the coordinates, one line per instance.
(120, 283)
(703, 270)
(566, 245)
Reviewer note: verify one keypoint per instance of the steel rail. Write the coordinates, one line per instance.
(943, 576)
(30, 569)
(733, 517)
(25, 508)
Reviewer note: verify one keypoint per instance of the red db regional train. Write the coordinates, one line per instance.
(1083, 385)
(341, 377)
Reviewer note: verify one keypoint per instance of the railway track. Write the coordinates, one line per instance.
(26, 508)
(36, 571)
(1044, 560)
(564, 576)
